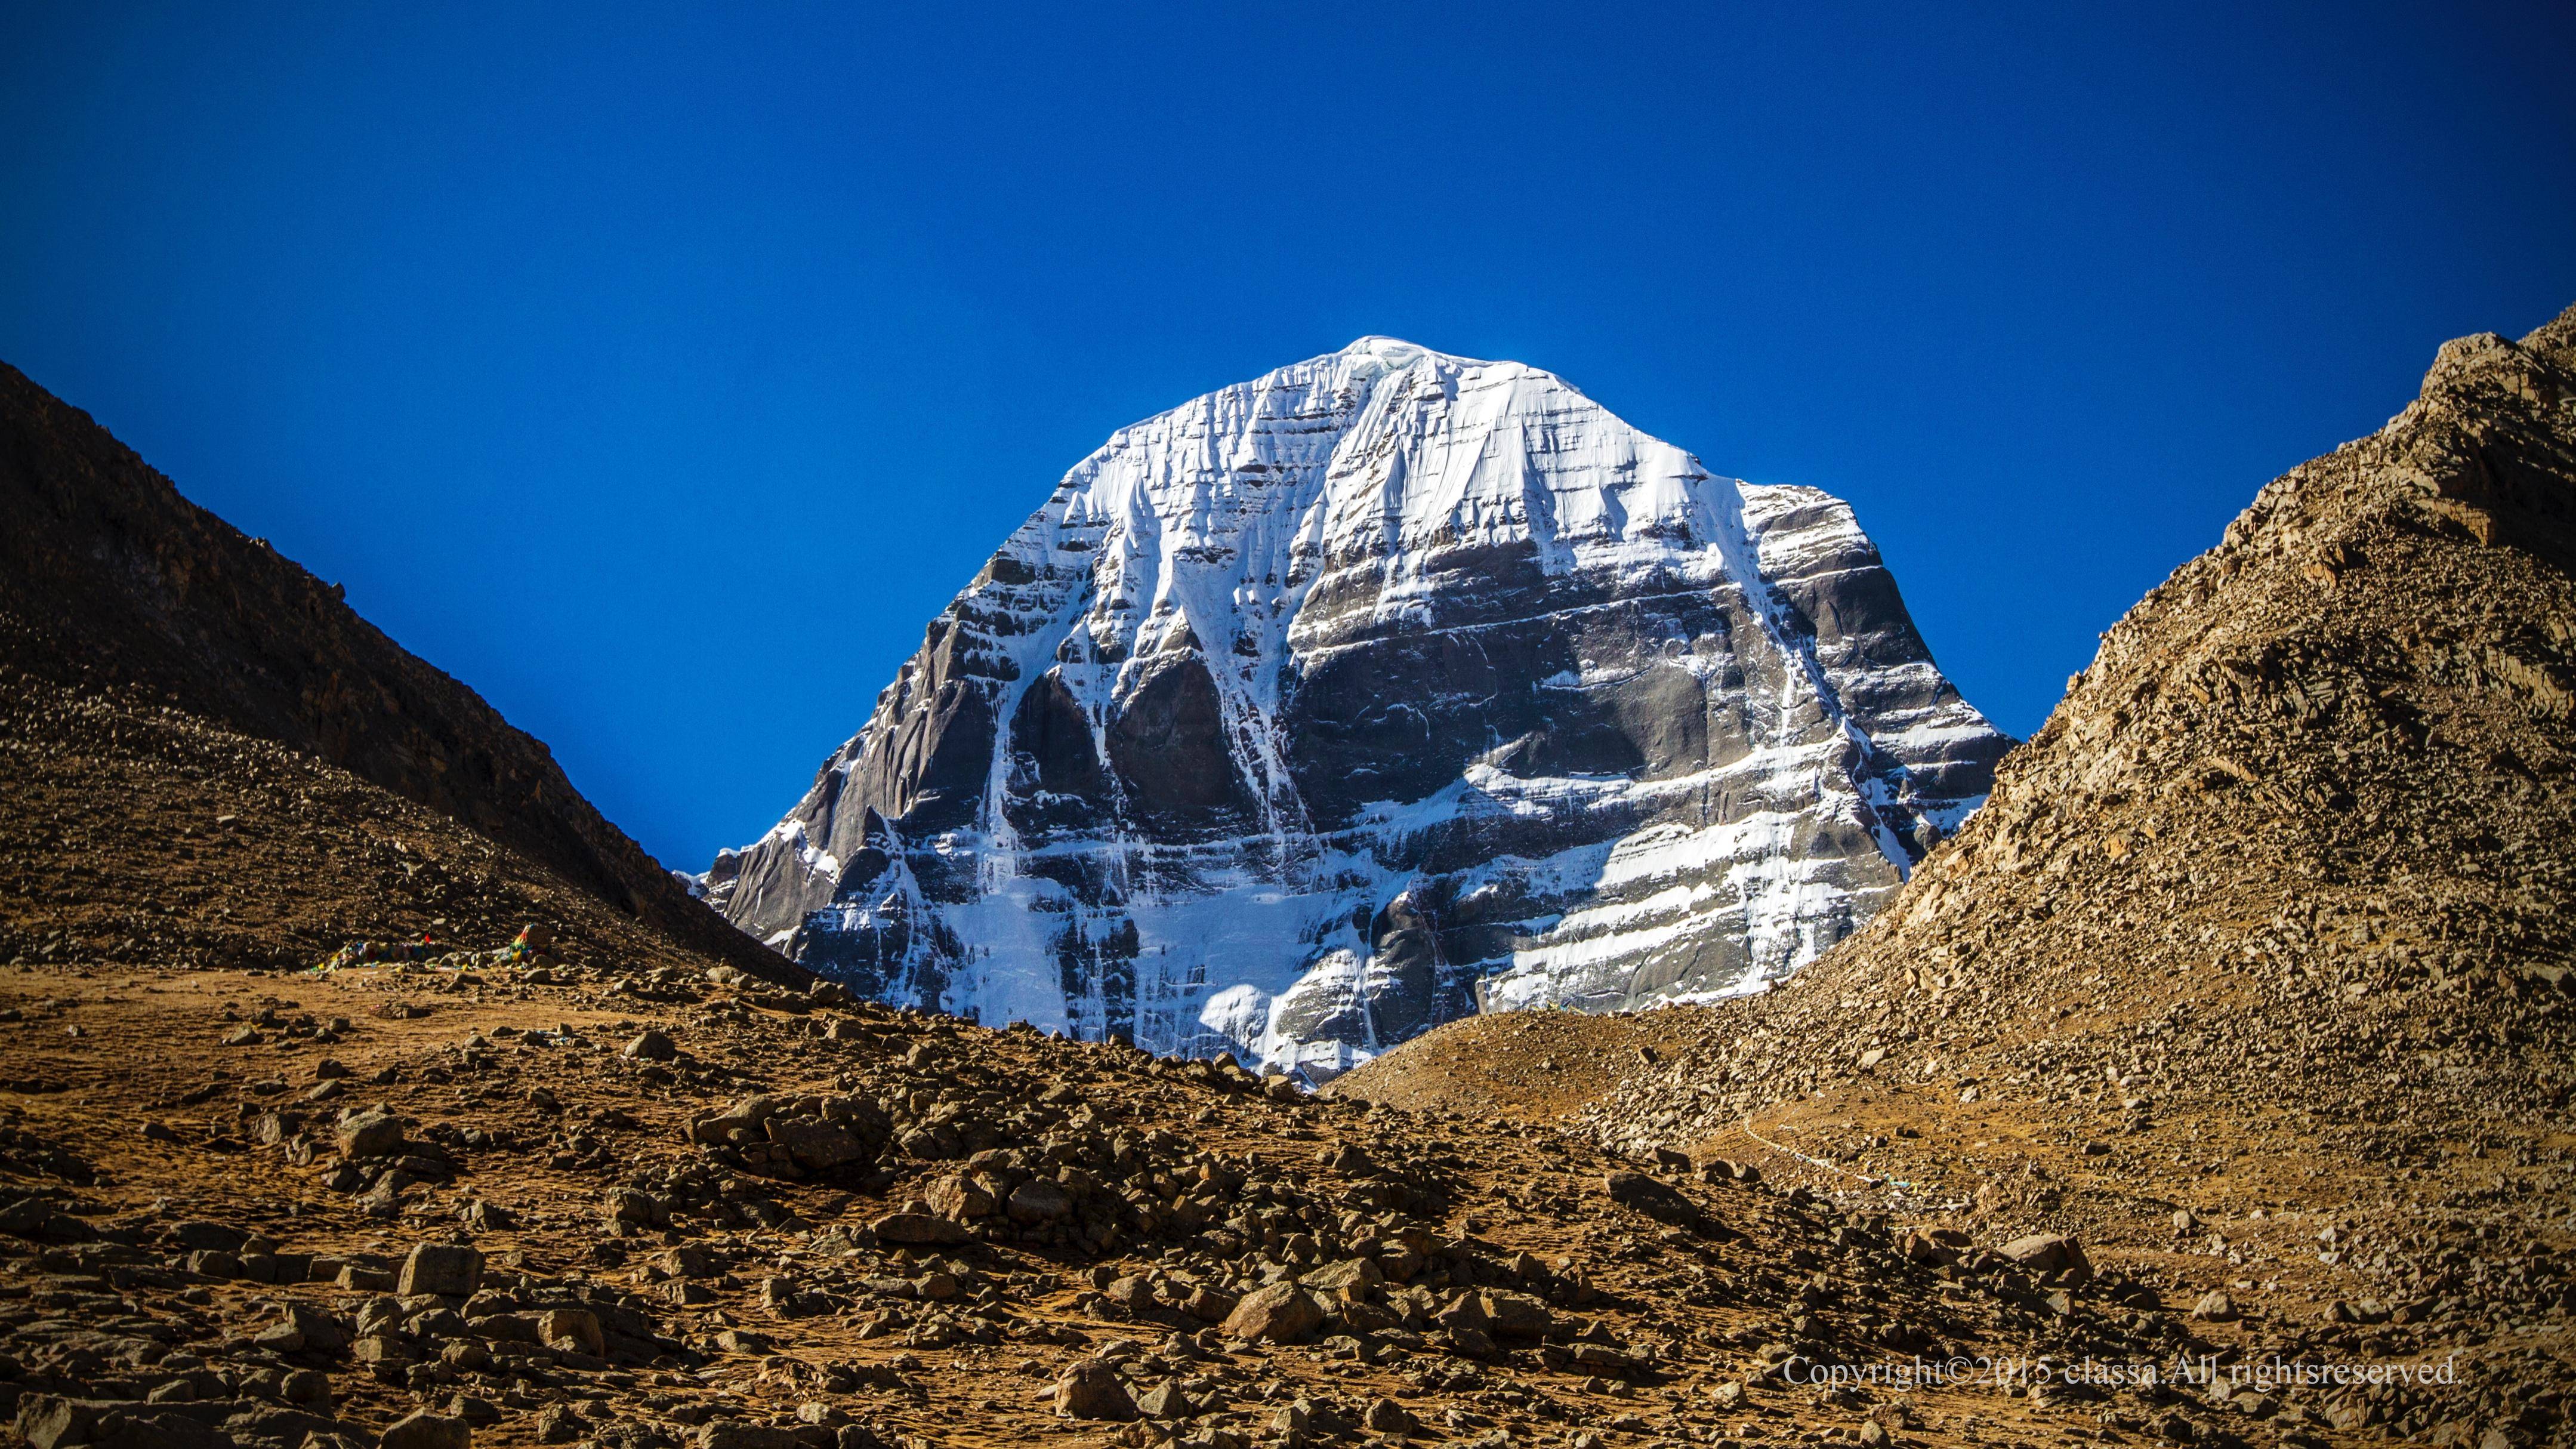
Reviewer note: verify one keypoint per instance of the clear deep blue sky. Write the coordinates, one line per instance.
(660, 370)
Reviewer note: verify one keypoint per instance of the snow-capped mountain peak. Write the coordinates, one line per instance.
(1332, 704)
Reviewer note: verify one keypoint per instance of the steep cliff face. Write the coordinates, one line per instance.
(1343, 702)
(110, 579)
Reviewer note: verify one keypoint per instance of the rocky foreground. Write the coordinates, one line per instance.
(607, 1191)
(559, 1203)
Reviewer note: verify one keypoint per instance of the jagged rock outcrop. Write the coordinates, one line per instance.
(110, 580)
(1339, 703)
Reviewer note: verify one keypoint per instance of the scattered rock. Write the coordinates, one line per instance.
(652, 1045)
(1092, 1390)
(1386, 1416)
(919, 1229)
(425, 1430)
(1280, 1313)
(2049, 1253)
(450, 1270)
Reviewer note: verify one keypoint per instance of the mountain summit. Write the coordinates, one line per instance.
(1378, 690)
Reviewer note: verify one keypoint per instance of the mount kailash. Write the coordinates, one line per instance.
(1383, 689)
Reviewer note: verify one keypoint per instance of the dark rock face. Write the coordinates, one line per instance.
(1175, 769)
(1384, 689)
(108, 578)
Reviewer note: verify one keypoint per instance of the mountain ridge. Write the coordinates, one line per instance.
(110, 577)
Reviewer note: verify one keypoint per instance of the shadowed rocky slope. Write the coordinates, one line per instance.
(621, 1196)
(109, 578)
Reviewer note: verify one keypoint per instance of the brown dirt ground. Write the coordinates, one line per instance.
(1538, 1067)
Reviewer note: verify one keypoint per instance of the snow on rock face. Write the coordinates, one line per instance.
(1341, 703)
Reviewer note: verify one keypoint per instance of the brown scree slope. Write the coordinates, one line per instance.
(2298, 837)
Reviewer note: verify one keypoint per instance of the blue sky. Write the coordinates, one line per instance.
(660, 370)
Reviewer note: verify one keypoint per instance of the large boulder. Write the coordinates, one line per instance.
(1515, 1315)
(450, 1270)
(425, 1430)
(652, 1045)
(1209, 1305)
(1658, 1200)
(1351, 1277)
(816, 1145)
(124, 1426)
(1091, 1390)
(372, 1132)
(2049, 1253)
(961, 1197)
(575, 1330)
(918, 1229)
(258, 1425)
(1040, 1201)
(1280, 1313)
